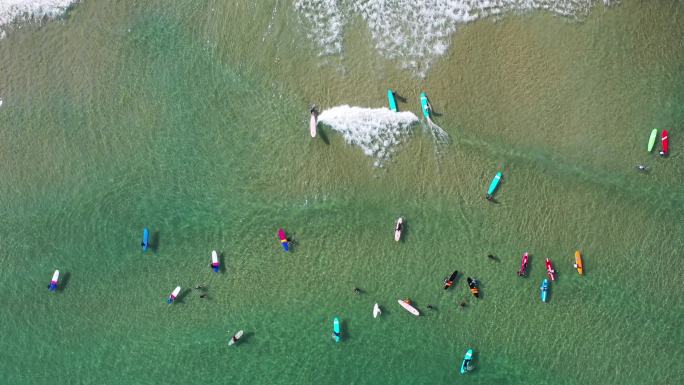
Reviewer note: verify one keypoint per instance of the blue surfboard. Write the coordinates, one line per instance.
(425, 105)
(392, 102)
(337, 330)
(494, 184)
(544, 289)
(145, 239)
(466, 361)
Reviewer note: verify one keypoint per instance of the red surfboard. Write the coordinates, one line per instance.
(664, 142)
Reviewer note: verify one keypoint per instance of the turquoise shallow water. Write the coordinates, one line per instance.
(192, 119)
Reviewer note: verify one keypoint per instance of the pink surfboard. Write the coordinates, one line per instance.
(408, 307)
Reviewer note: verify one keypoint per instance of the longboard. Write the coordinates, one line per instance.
(235, 338)
(145, 239)
(544, 289)
(466, 360)
(578, 262)
(494, 184)
(665, 144)
(652, 139)
(398, 228)
(408, 307)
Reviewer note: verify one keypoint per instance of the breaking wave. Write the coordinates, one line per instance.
(413, 32)
(15, 11)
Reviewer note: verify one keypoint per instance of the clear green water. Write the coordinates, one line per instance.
(181, 118)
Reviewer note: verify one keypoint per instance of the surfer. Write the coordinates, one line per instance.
(357, 291)
(462, 304)
(642, 168)
(200, 287)
(493, 257)
(430, 307)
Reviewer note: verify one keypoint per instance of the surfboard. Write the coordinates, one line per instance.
(313, 122)
(54, 281)
(398, 228)
(408, 307)
(145, 239)
(578, 262)
(665, 144)
(337, 330)
(214, 261)
(494, 184)
(376, 311)
(544, 289)
(652, 139)
(283, 239)
(466, 361)
(235, 338)
(425, 105)
(392, 102)
(173, 295)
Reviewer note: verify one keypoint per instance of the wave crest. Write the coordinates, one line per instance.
(13, 11)
(415, 32)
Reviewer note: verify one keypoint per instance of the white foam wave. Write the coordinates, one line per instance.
(325, 21)
(415, 32)
(378, 131)
(12, 11)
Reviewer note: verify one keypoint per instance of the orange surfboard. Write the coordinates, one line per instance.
(578, 262)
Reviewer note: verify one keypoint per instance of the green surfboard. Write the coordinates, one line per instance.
(652, 139)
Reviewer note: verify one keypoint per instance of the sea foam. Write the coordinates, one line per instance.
(413, 32)
(378, 131)
(13, 11)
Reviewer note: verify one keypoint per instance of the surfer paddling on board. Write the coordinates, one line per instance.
(642, 168)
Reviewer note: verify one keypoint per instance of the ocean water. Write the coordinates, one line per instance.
(191, 118)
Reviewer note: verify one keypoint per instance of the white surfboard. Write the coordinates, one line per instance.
(312, 124)
(408, 307)
(397, 229)
(55, 276)
(376, 311)
(175, 292)
(236, 337)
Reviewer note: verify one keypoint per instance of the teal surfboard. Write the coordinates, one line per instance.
(337, 330)
(652, 139)
(392, 102)
(425, 105)
(494, 184)
(544, 289)
(466, 361)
